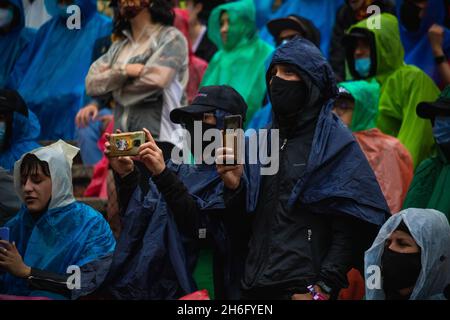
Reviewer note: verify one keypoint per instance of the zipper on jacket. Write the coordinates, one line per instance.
(284, 144)
(309, 235)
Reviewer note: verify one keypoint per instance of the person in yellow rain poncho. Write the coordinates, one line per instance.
(239, 62)
(378, 53)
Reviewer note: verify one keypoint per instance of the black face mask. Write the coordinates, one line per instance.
(287, 97)
(399, 271)
(409, 16)
(190, 128)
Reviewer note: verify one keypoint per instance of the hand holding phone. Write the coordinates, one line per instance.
(230, 135)
(126, 144)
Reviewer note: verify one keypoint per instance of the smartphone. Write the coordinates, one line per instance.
(4, 234)
(230, 136)
(126, 144)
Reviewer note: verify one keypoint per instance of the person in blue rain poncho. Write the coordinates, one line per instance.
(19, 128)
(50, 74)
(14, 37)
(321, 12)
(412, 250)
(415, 19)
(52, 231)
(160, 240)
(321, 209)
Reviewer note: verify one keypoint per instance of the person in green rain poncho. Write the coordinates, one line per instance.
(239, 62)
(431, 184)
(357, 106)
(378, 53)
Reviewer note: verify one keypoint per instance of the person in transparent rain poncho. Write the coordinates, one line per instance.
(412, 251)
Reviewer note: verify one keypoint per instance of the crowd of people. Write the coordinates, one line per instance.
(353, 98)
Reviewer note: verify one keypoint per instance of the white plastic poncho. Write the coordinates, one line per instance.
(59, 157)
(431, 231)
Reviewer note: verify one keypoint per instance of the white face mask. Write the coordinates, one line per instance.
(6, 17)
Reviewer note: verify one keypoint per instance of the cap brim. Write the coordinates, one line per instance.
(177, 115)
(429, 110)
(277, 25)
(351, 37)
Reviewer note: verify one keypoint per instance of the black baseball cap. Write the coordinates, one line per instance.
(209, 99)
(440, 107)
(12, 101)
(344, 94)
(304, 26)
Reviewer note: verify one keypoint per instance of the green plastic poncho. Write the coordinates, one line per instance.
(366, 95)
(430, 187)
(239, 62)
(402, 88)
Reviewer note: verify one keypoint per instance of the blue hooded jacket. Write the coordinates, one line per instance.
(13, 43)
(50, 73)
(337, 167)
(335, 181)
(153, 259)
(25, 131)
(417, 45)
(321, 12)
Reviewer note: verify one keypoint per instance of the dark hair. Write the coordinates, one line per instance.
(208, 6)
(30, 165)
(161, 11)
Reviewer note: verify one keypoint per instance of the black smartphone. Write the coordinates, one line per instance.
(230, 136)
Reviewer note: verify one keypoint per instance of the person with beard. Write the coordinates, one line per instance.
(145, 70)
(412, 251)
(162, 217)
(429, 188)
(322, 209)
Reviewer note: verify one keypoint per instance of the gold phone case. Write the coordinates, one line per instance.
(126, 144)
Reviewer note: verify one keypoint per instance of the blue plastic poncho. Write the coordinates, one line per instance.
(13, 44)
(25, 131)
(321, 12)
(417, 45)
(431, 231)
(50, 74)
(68, 233)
